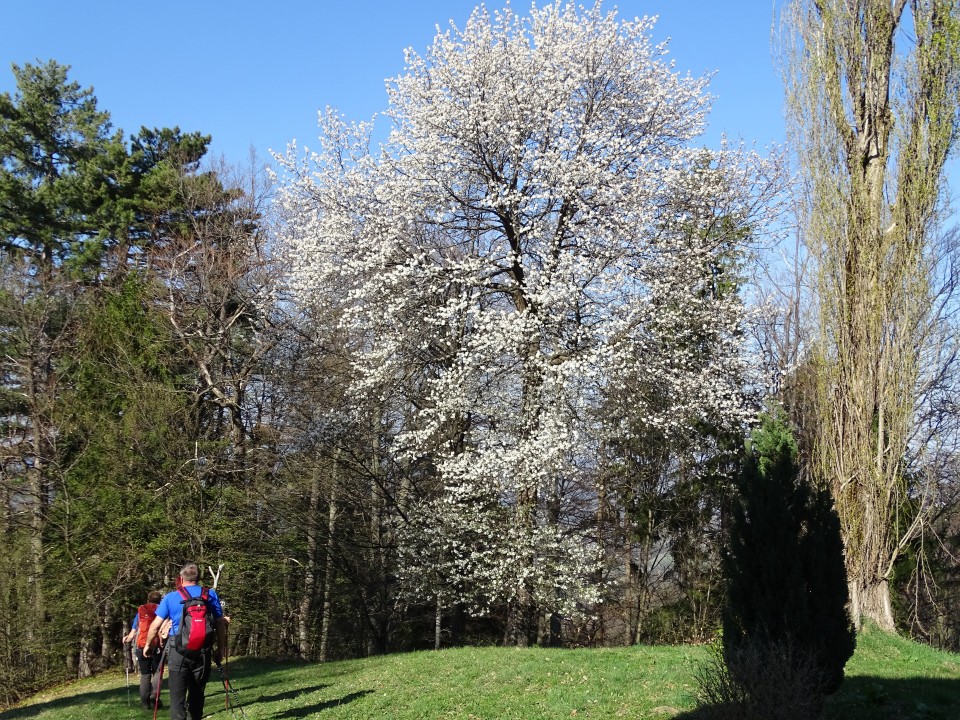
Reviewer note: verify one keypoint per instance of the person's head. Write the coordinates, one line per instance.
(154, 596)
(190, 573)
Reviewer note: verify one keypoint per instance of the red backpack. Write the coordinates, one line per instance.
(145, 615)
(196, 623)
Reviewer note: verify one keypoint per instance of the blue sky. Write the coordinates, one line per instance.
(254, 74)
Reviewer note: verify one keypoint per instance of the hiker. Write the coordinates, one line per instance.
(148, 663)
(196, 616)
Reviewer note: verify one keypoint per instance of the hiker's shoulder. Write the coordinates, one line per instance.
(172, 597)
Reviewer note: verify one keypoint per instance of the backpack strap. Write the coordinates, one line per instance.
(204, 595)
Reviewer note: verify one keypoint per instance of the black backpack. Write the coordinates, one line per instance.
(197, 627)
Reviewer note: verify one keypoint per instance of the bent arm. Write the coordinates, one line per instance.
(221, 625)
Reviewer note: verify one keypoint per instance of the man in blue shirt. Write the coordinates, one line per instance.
(188, 672)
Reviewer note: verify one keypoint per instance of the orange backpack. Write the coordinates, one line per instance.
(145, 615)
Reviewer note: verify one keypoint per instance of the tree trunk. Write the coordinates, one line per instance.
(37, 512)
(457, 623)
(106, 638)
(377, 598)
(84, 667)
(310, 575)
(871, 600)
(328, 573)
(630, 602)
(518, 620)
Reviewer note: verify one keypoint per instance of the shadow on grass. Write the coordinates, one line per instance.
(125, 699)
(288, 695)
(319, 707)
(82, 702)
(876, 698)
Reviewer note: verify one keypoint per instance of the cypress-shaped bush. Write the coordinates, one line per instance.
(786, 602)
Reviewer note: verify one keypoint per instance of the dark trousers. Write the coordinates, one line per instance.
(149, 678)
(187, 679)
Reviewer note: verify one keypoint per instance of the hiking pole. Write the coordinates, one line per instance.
(126, 666)
(163, 661)
(226, 652)
(230, 691)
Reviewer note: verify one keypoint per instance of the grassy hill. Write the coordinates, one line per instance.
(888, 677)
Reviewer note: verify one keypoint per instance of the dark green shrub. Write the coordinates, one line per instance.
(786, 583)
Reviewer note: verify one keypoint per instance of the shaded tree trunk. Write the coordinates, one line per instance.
(326, 615)
(308, 596)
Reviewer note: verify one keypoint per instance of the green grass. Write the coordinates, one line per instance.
(888, 677)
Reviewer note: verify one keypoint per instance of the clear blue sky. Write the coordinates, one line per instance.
(254, 74)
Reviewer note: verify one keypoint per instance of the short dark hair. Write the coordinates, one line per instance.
(190, 572)
(154, 596)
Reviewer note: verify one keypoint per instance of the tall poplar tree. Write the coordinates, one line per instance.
(873, 88)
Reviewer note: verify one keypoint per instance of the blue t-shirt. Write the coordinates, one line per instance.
(172, 605)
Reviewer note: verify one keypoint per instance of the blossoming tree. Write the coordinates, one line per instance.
(537, 229)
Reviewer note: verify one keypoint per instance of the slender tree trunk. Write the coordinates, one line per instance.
(328, 571)
(642, 572)
(106, 636)
(631, 596)
(37, 512)
(85, 667)
(310, 574)
(38, 493)
(378, 592)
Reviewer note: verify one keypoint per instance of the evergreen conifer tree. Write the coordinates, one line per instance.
(786, 584)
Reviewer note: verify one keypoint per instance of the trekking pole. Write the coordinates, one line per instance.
(230, 692)
(163, 661)
(226, 652)
(126, 666)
